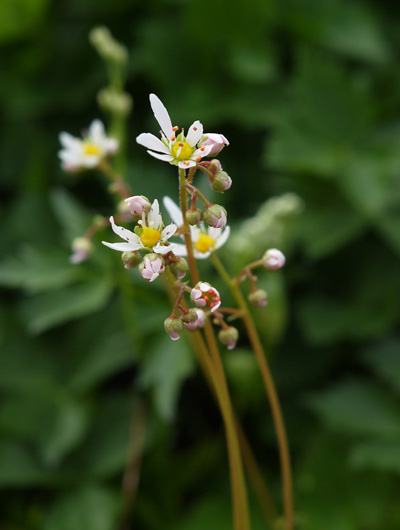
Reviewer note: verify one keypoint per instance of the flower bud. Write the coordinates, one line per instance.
(215, 216)
(138, 204)
(221, 182)
(229, 336)
(215, 166)
(82, 248)
(189, 317)
(258, 298)
(151, 267)
(273, 259)
(194, 216)
(199, 322)
(179, 268)
(204, 295)
(174, 327)
(216, 141)
(131, 259)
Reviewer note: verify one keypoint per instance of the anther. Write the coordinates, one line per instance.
(175, 128)
(173, 138)
(202, 148)
(180, 144)
(195, 128)
(198, 158)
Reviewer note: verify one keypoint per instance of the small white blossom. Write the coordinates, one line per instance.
(153, 237)
(205, 239)
(87, 153)
(179, 150)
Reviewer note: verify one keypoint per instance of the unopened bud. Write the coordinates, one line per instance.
(273, 259)
(82, 248)
(215, 216)
(194, 216)
(174, 327)
(229, 336)
(216, 141)
(198, 323)
(258, 298)
(179, 268)
(138, 204)
(131, 259)
(215, 166)
(189, 317)
(221, 182)
(151, 267)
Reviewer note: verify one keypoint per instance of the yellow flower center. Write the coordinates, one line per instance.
(150, 236)
(89, 148)
(184, 150)
(204, 243)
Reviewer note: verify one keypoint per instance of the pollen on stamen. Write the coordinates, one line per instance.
(173, 138)
(195, 128)
(198, 158)
(175, 128)
(202, 148)
(186, 163)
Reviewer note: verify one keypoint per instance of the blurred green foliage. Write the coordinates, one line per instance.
(308, 94)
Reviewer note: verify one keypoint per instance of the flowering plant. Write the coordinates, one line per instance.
(198, 230)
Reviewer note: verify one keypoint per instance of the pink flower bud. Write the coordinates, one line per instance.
(198, 323)
(258, 298)
(173, 326)
(151, 267)
(273, 259)
(221, 182)
(138, 204)
(216, 141)
(229, 336)
(204, 295)
(82, 249)
(215, 216)
(131, 259)
(179, 268)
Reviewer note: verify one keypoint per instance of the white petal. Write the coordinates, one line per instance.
(164, 249)
(195, 133)
(168, 232)
(201, 255)
(164, 158)
(122, 247)
(179, 249)
(153, 217)
(202, 153)
(173, 210)
(195, 232)
(152, 142)
(214, 233)
(187, 163)
(123, 233)
(223, 237)
(68, 141)
(161, 115)
(96, 131)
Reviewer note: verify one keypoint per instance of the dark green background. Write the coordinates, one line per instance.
(308, 93)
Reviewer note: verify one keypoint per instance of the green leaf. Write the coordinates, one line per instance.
(19, 17)
(359, 408)
(47, 310)
(165, 367)
(38, 270)
(376, 455)
(91, 507)
(72, 216)
(384, 359)
(18, 466)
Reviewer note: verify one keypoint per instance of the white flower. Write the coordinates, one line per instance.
(205, 240)
(178, 150)
(153, 236)
(203, 294)
(86, 153)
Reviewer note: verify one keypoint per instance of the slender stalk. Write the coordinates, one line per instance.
(215, 370)
(270, 391)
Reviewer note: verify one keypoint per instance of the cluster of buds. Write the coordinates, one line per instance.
(192, 319)
(219, 179)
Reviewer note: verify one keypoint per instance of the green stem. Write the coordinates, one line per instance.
(270, 391)
(216, 372)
